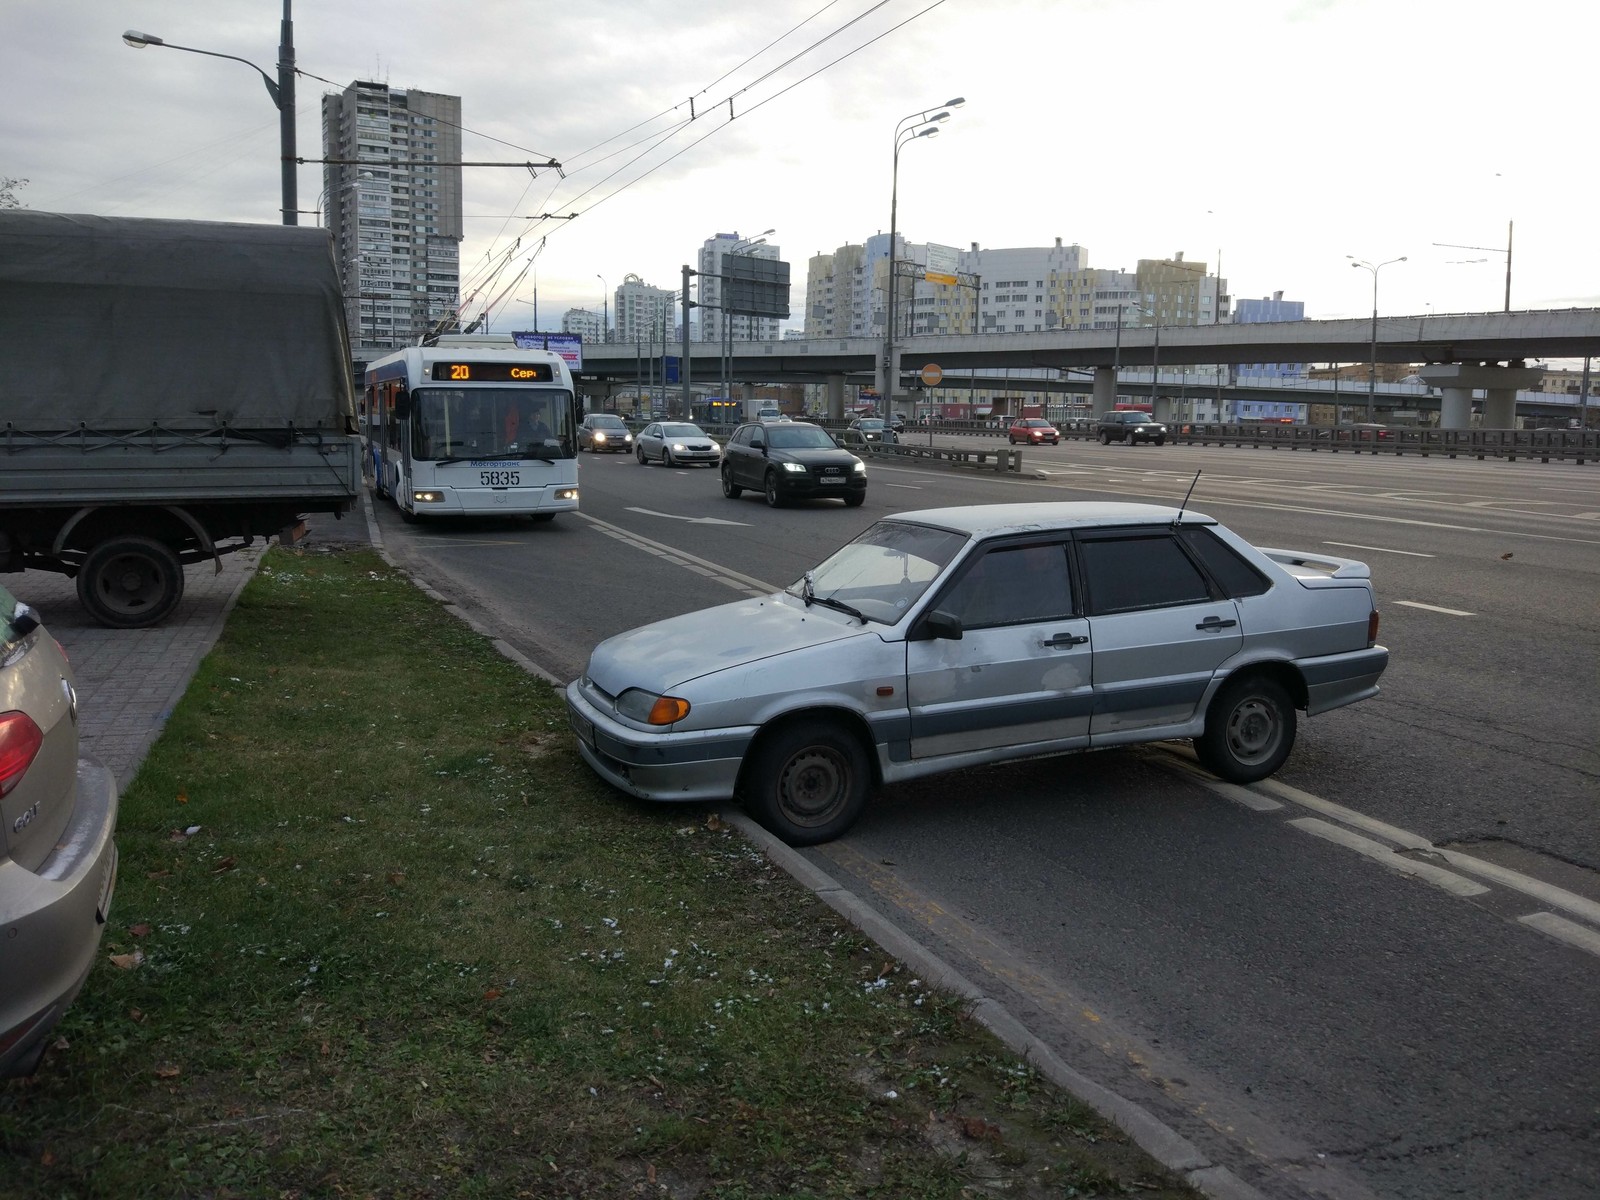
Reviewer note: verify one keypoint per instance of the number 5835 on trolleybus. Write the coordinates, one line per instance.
(452, 431)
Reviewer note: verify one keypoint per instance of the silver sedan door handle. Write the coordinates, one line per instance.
(1215, 623)
(1063, 639)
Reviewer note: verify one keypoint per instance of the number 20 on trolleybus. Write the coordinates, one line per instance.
(450, 431)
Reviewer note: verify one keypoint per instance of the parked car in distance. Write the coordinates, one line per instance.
(1130, 426)
(788, 461)
(58, 859)
(1367, 431)
(676, 443)
(602, 433)
(949, 638)
(1033, 430)
(866, 431)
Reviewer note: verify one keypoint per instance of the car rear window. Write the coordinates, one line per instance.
(1125, 573)
(1237, 577)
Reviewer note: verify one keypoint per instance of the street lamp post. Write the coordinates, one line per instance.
(1372, 374)
(282, 93)
(605, 309)
(921, 125)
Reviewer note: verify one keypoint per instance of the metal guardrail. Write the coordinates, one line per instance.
(981, 460)
(1577, 445)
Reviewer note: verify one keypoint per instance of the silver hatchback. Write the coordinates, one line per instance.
(58, 862)
(953, 637)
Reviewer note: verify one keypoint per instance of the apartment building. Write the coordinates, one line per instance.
(392, 199)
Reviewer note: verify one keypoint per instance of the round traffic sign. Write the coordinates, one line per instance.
(932, 374)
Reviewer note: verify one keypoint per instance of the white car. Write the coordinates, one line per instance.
(674, 444)
(953, 637)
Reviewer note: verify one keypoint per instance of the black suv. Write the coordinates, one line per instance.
(790, 460)
(1131, 427)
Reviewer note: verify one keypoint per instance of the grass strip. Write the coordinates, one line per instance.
(382, 933)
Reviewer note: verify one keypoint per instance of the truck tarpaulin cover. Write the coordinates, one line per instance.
(120, 323)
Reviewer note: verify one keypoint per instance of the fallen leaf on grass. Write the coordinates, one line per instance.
(980, 1130)
(397, 877)
(492, 994)
(714, 823)
(183, 797)
(47, 1159)
(139, 930)
(167, 1071)
(127, 961)
(225, 864)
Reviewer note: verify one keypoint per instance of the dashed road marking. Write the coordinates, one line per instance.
(1449, 612)
(1380, 549)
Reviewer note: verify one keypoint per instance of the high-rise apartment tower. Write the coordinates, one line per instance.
(393, 202)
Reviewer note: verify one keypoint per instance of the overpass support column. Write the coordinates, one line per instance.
(1455, 409)
(835, 409)
(1459, 380)
(1105, 391)
(1500, 409)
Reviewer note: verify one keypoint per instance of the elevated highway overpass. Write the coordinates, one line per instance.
(1461, 352)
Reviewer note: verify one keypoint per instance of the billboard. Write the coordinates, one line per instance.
(944, 263)
(755, 287)
(568, 345)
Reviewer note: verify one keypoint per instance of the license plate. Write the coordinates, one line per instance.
(584, 728)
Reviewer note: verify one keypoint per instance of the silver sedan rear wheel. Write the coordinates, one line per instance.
(1250, 730)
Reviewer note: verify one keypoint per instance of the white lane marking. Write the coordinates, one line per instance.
(752, 585)
(1544, 893)
(1564, 930)
(915, 487)
(1254, 801)
(1449, 612)
(1379, 549)
(1449, 881)
(692, 520)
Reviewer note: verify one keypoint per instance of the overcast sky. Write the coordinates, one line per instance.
(1282, 134)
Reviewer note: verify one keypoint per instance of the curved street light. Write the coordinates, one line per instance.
(281, 91)
(605, 311)
(1372, 374)
(920, 125)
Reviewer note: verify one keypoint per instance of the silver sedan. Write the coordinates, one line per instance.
(676, 443)
(954, 637)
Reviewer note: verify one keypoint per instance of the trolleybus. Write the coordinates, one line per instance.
(471, 430)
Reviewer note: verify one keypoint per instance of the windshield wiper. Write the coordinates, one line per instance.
(841, 606)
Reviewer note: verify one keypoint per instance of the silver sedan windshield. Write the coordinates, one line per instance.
(885, 571)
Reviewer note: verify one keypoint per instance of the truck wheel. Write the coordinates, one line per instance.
(808, 783)
(130, 582)
(1249, 730)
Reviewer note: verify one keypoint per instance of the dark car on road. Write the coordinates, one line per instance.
(865, 431)
(791, 461)
(604, 432)
(1132, 427)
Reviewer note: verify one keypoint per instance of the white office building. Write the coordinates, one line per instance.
(584, 321)
(644, 314)
(392, 199)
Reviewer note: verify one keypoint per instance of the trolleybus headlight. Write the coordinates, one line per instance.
(427, 497)
(567, 494)
(651, 709)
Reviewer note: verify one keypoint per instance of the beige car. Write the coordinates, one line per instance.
(58, 863)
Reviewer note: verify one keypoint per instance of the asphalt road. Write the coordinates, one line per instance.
(1250, 964)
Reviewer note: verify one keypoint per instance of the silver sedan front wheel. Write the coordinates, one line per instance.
(808, 783)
